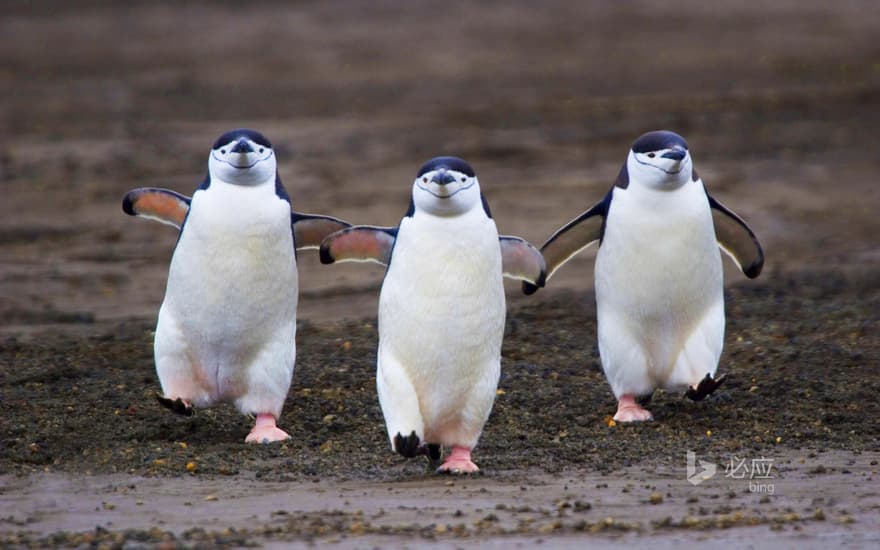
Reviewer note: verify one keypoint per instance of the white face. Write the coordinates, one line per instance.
(663, 169)
(242, 161)
(446, 192)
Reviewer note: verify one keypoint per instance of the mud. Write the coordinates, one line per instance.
(780, 104)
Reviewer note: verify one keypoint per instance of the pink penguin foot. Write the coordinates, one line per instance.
(458, 462)
(630, 411)
(265, 431)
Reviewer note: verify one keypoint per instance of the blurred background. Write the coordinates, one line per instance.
(779, 101)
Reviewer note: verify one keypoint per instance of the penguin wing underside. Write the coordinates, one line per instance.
(522, 261)
(310, 230)
(361, 243)
(570, 239)
(162, 205)
(736, 239)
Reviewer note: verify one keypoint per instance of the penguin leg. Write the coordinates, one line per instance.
(400, 407)
(695, 366)
(264, 386)
(458, 462)
(182, 381)
(625, 364)
(463, 431)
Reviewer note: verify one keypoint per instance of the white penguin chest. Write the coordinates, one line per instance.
(659, 252)
(235, 258)
(444, 285)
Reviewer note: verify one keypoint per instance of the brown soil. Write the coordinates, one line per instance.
(780, 104)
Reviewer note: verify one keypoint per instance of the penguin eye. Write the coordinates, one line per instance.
(222, 151)
(651, 155)
(425, 180)
(463, 178)
(261, 149)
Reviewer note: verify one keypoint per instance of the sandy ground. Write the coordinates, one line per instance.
(780, 104)
(628, 506)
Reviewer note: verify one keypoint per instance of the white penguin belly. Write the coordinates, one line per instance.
(232, 287)
(658, 281)
(441, 315)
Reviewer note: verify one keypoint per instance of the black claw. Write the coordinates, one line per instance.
(705, 388)
(408, 445)
(175, 405)
(411, 446)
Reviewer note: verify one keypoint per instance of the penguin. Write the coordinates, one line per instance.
(441, 311)
(226, 328)
(658, 274)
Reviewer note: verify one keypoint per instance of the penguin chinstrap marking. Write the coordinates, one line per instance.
(659, 284)
(226, 329)
(441, 311)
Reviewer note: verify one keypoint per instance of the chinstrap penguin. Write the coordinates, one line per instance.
(659, 280)
(227, 326)
(441, 311)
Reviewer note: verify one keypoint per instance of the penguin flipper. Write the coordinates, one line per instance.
(360, 243)
(736, 239)
(161, 205)
(309, 230)
(571, 238)
(522, 261)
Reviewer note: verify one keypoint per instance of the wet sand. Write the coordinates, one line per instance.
(628, 506)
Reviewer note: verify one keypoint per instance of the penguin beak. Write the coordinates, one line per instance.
(242, 146)
(676, 154)
(443, 178)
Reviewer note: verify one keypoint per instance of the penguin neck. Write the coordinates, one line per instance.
(244, 210)
(234, 198)
(647, 194)
(657, 204)
(245, 188)
(442, 217)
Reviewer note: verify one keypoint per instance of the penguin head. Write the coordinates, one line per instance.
(446, 186)
(242, 157)
(660, 160)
